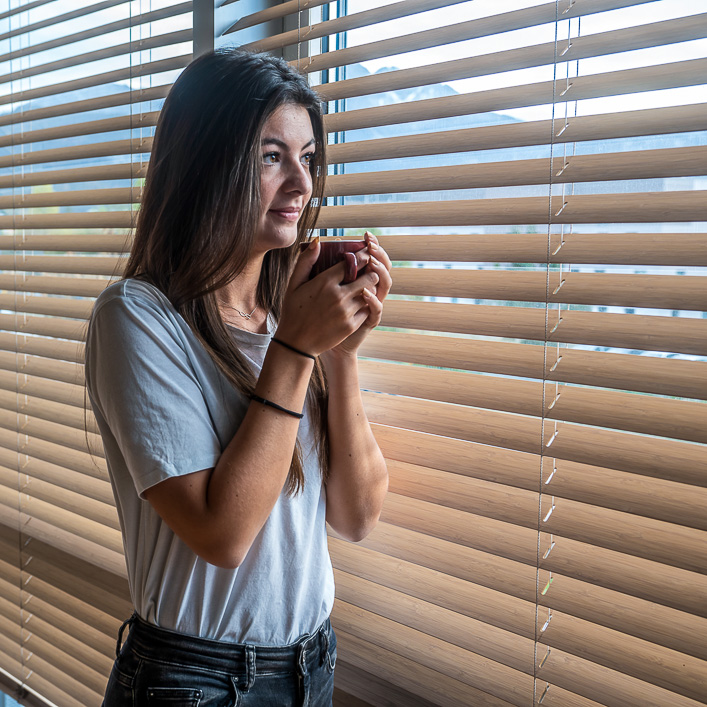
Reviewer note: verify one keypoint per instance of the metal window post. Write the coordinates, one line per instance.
(203, 21)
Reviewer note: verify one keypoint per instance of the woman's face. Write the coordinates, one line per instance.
(287, 149)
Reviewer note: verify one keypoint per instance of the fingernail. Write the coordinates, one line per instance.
(314, 242)
(367, 292)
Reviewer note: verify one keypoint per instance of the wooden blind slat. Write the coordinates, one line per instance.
(60, 477)
(88, 127)
(155, 67)
(651, 78)
(453, 661)
(108, 242)
(687, 379)
(472, 29)
(134, 170)
(88, 104)
(651, 291)
(661, 499)
(632, 38)
(56, 453)
(96, 149)
(650, 121)
(154, 42)
(44, 326)
(31, 506)
(647, 207)
(639, 454)
(125, 23)
(75, 287)
(392, 11)
(600, 605)
(642, 537)
(444, 690)
(623, 411)
(684, 249)
(643, 164)
(57, 19)
(39, 346)
(628, 331)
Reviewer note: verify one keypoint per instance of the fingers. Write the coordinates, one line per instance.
(358, 260)
(303, 267)
(385, 281)
(380, 264)
(375, 307)
(351, 262)
(374, 248)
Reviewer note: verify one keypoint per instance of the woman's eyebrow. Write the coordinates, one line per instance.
(280, 143)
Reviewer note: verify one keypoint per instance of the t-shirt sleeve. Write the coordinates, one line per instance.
(144, 389)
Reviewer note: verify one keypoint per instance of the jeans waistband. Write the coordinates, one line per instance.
(153, 642)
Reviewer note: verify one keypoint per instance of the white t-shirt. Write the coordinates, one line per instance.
(164, 409)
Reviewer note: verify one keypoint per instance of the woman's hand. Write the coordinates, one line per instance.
(322, 314)
(371, 297)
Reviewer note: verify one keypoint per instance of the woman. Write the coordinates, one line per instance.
(199, 364)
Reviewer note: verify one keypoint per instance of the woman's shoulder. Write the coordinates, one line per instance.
(132, 318)
(132, 291)
(133, 306)
(137, 301)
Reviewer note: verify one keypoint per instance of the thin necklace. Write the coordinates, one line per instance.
(245, 315)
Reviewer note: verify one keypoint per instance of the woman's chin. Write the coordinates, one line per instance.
(276, 239)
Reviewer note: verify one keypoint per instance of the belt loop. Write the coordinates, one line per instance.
(249, 667)
(304, 676)
(127, 622)
(302, 658)
(325, 653)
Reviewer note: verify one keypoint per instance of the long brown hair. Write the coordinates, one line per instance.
(201, 206)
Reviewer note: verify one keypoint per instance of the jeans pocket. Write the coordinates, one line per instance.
(119, 691)
(179, 685)
(174, 696)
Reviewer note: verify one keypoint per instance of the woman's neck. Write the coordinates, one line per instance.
(238, 300)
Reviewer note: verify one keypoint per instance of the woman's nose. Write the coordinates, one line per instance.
(299, 178)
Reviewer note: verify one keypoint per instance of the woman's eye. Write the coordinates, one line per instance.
(270, 157)
(308, 158)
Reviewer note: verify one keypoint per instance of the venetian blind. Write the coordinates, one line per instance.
(81, 85)
(536, 170)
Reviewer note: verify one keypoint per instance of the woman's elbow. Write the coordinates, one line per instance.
(360, 533)
(226, 562)
(228, 556)
(356, 529)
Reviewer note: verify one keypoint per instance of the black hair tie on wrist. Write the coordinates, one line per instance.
(292, 348)
(271, 404)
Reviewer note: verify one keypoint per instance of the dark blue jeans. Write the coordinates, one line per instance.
(160, 667)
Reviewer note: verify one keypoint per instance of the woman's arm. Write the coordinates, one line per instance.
(218, 512)
(358, 476)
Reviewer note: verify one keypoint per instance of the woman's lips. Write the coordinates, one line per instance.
(287, 214)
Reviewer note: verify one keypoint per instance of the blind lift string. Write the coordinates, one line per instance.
(538, 591)
(20, 444)
(543, 518)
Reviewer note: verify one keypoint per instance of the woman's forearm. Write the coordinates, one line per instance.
(358, 477)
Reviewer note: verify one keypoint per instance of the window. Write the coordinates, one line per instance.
(523, 166)
(537, 174)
